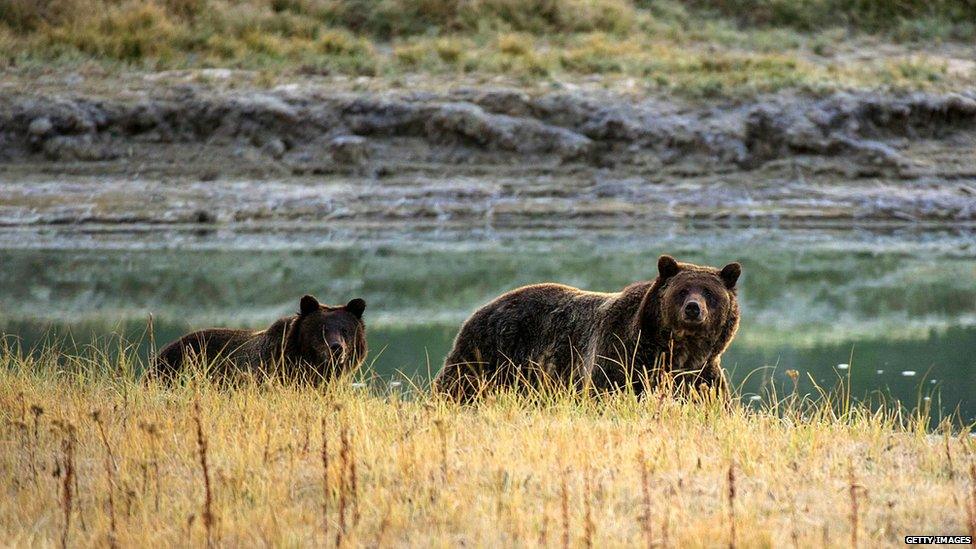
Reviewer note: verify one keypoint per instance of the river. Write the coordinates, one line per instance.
(894, 311)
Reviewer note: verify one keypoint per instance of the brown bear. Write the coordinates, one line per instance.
(317, 344)
(679, 324)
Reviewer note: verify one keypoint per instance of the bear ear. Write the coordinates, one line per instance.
(356, 307)
(730, 274)
(667, 267)
(308, 304)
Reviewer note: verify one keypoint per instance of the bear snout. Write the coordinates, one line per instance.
(336, 350)
(693, 311)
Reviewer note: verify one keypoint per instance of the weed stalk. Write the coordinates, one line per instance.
(731, 499)
(209, 519)
(110, 478)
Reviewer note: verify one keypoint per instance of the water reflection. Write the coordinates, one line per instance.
(886, 304)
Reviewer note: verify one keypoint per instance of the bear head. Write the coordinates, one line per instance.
(331, 339)
(695, 301)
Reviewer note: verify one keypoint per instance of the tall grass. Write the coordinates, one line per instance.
(410, 469)
(387, 19)
(704, 47)
(870, 15)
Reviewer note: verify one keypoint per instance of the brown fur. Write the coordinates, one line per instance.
(317, 344)
(608, 341)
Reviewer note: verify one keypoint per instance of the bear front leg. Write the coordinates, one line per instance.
(461, 379)
(713, 376)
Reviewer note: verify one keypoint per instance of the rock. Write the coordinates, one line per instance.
(568, 144)
(964, 106)
(66, 148)
(612, 125)
(275, 148)
(765, 136)
(464, 123)
(501, 101)
(806, 136)
(467, 124)
(40, 128)
(371, 116)
(349, 150)
(872, 152)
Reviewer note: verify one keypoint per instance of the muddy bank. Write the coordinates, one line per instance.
(189, 154)
(586, 128)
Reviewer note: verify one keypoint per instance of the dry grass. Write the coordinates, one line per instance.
(865, 14)
(264, 464)
(694, 48)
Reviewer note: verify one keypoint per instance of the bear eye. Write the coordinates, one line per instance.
(683, 293)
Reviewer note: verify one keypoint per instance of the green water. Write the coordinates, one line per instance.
(885, 302)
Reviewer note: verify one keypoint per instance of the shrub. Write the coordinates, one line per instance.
(129, 32)
(29, 15)
(871, 15)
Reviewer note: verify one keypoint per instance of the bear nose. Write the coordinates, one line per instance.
(692, 311)
(335, 348)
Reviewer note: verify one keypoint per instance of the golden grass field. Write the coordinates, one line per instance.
(91, 457)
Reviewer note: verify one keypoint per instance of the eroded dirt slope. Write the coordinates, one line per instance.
(188, 153)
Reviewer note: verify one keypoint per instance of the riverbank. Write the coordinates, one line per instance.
(311, 151)
(92, 456)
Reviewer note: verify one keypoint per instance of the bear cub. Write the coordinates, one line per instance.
(316, 345)
(678, 325)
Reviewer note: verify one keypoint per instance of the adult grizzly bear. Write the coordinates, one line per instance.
(679, 323)
(317, 344)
